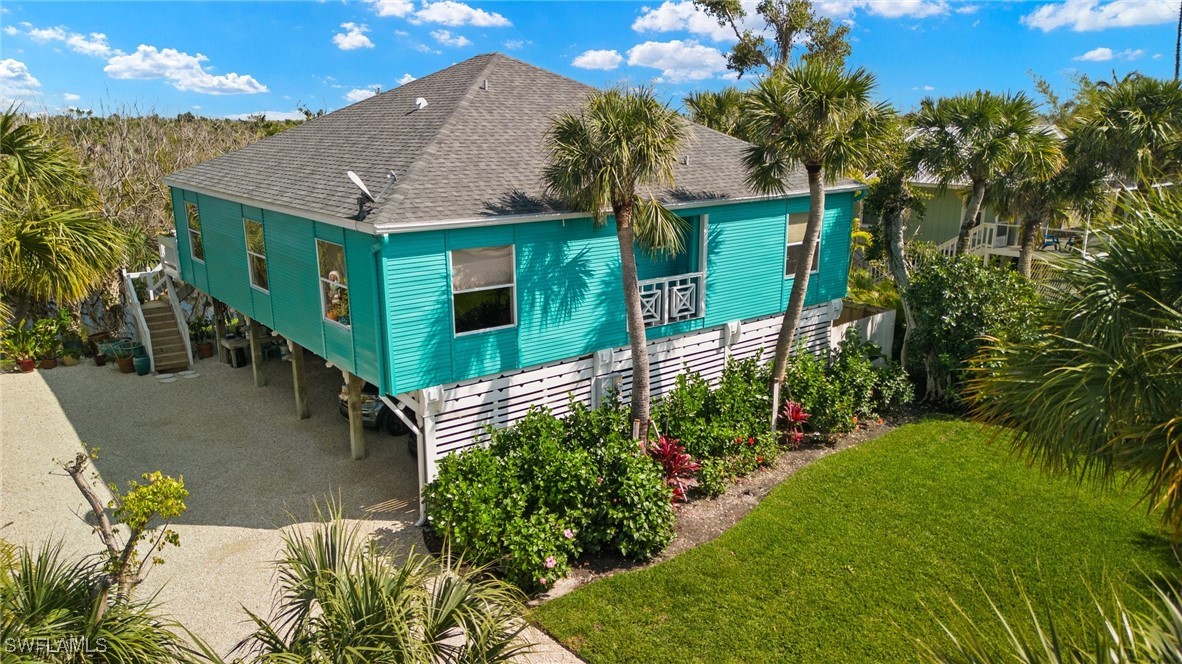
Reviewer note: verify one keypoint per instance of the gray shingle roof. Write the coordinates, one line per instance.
(472, 153)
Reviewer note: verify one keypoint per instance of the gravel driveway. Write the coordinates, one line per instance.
(251, 468)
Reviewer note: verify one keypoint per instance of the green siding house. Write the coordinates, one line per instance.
(457, 287)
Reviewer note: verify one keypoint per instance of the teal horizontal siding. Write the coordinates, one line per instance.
(568, 293)
(291, 306)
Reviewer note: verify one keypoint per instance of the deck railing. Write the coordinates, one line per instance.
(673, 299)
(169, 257)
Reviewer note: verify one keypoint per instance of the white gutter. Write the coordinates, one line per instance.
(472, 222)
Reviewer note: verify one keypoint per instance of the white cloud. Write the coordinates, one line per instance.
(968, 9)
(70, 97)
(925, 88)
(95, 44)
(455, 14)
(353, 37)
(883, 8)
(423, 48)
(184, 71)
(1091, 15)
(446, 38)
(517, 44)
(1157, 56)
(399, 8)
(685, 16)
(1104, 54)
(270, 115)
(678, 60)
(405, 78)
(602, 59)
(357, 94)
(15, 79)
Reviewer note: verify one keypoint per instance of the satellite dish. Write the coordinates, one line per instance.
(420, 104)
(360, 185)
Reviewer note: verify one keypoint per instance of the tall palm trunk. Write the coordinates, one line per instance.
(897, 262)
(970, 216)
(800, 284)
(635, 317)
(1029, 237)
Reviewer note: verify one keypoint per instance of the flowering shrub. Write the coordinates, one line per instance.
(792, 420)
(679, 466)
(547, 490)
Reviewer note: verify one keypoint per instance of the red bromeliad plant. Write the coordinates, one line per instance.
(795, 418)
(678, 465)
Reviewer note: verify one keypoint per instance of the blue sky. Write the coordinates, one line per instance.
(239, 58)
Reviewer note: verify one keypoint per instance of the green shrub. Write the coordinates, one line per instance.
(714, 477)
(742, 400)
(851, 366)
(547, 490)
(895, 389)
(809, 384)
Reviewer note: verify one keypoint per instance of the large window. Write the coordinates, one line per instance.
(256, 254)
(796, 226)
(334, 282)
(482, 288)
(196, 246)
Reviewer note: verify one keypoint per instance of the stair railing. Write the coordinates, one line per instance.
(179, 317)
(137, 313)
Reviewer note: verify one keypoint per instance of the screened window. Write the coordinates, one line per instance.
(796, 226)
(256, 254)
(196, 245)
(334, 282)
(482, 288)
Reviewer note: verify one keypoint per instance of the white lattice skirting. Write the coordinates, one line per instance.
(457, 413)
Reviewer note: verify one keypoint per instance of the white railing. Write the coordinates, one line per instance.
(179, 317)
(169, 258)
(673, 299)
(137, 312)
(980, 238)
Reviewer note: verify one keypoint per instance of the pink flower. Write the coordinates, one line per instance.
(797, 437)
(568, 533)
(542, 581)
(599, 480)
(794, 413)
(550, 563)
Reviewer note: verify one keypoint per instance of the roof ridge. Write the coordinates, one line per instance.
(444, 130)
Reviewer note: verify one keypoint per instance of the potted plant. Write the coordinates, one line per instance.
(339, 311)
(22, 344)
(70, 357)
(201, 331)
(124, 353)
(48, 343)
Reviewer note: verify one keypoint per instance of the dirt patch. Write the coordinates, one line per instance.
(703, 519)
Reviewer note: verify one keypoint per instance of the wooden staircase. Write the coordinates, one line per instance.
(168, 347)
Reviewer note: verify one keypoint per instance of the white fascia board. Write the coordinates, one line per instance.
(360, 226)
(415, 226)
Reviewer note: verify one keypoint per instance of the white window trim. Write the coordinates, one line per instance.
(199, 232)
(816, 256)
(512, 292)
(323, 309)
(249, 253)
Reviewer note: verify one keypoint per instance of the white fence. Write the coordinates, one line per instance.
(873, 324)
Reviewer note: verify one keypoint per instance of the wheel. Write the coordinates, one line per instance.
(394, 424)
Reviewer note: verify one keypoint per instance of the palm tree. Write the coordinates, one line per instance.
(53, 243)
(819, 115)
(721, 111)
(342, 599)
(609, 156)
(47, 600)
(1133, 129)
(1096, 393)
(972, 139)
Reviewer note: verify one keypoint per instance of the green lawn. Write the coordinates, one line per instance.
(850, 559)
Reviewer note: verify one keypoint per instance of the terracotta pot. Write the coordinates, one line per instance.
(26, 366)
(205, 350)
(48, 362)
(125, 364)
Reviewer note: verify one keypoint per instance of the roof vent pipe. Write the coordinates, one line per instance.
(685, 160)
(485, 86)
(420, 104)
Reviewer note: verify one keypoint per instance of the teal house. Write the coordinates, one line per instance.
(456, 286)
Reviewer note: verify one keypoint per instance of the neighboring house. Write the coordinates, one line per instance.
(462, 292)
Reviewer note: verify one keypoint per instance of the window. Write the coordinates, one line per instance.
(334, 281)
(256, 254)
(196, 246)
(482, 288)
(796, 225)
